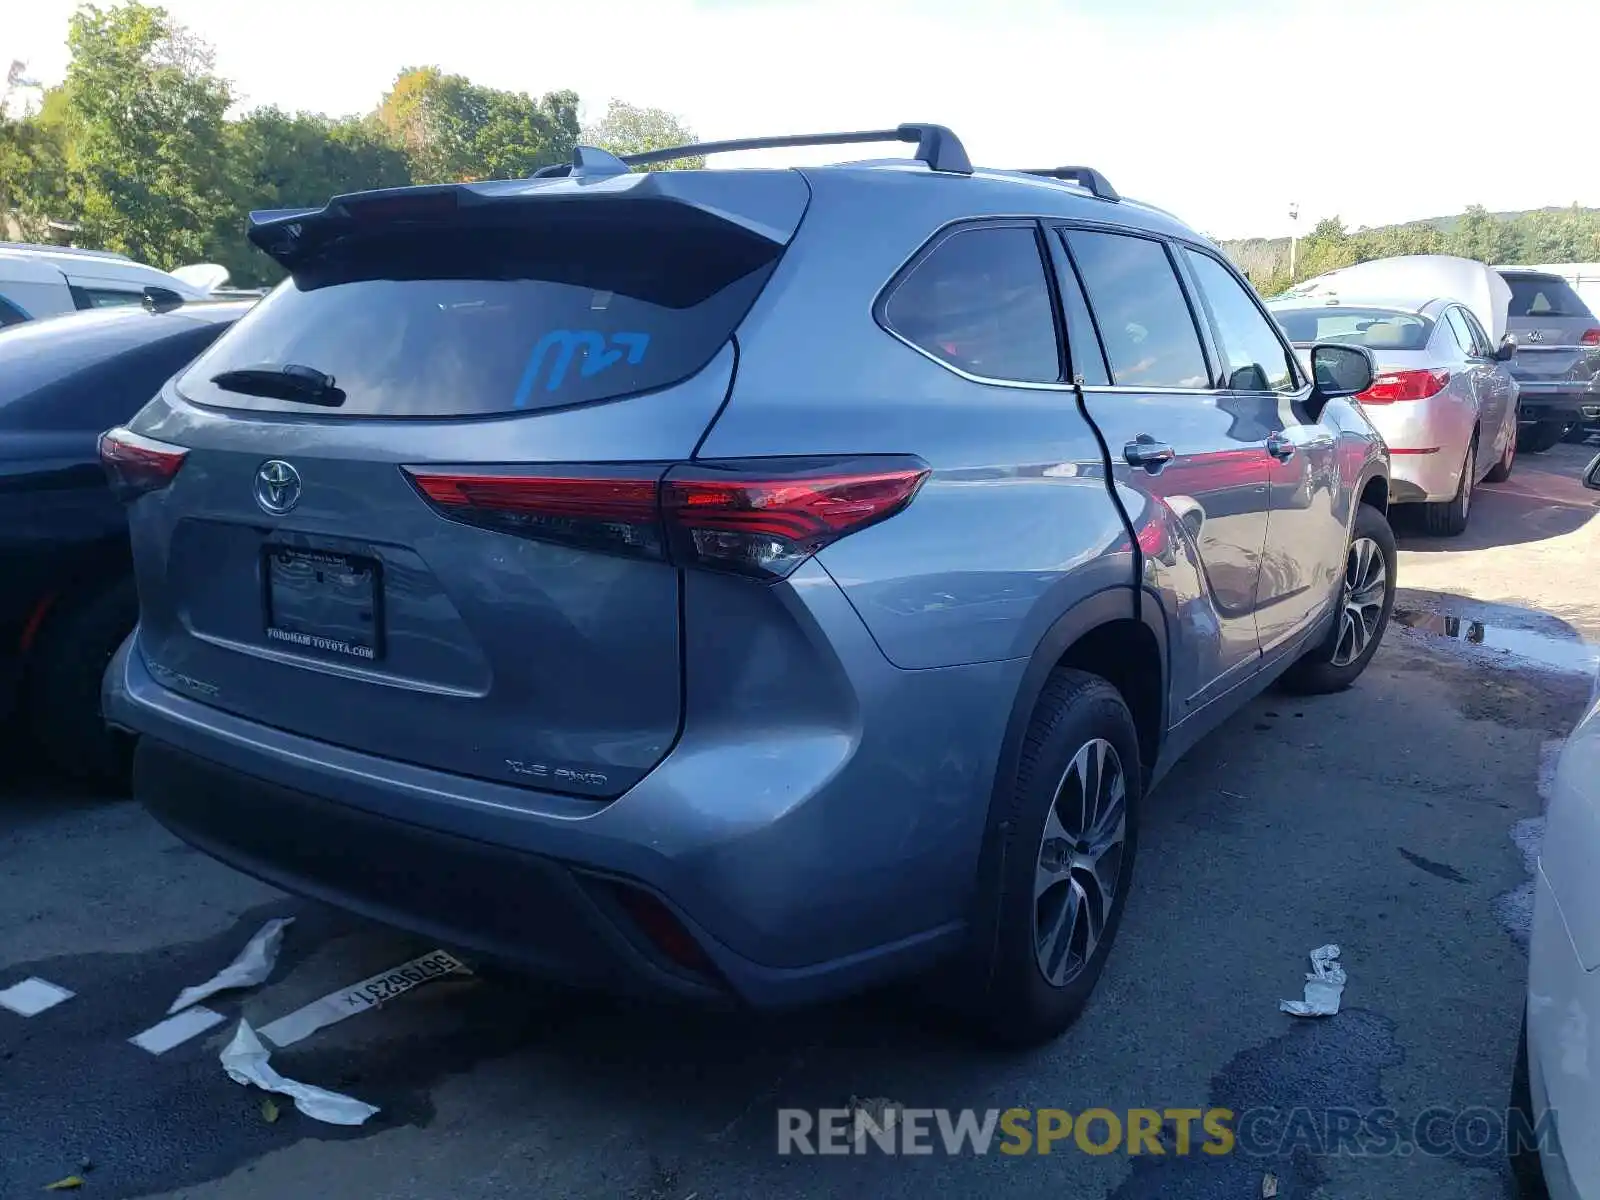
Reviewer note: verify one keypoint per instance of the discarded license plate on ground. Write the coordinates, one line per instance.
(359, 997)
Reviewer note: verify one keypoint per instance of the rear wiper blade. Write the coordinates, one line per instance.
(288, 382)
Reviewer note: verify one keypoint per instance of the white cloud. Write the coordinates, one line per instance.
(1375, 111)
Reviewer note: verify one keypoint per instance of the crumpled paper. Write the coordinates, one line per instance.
(246, 1061)
(252, 966)
(1324, 986)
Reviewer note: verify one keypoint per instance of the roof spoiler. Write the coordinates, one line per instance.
(1087, 177)
(936, 146)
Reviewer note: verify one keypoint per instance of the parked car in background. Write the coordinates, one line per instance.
(66, 585)
(1443, 397)
(1558, 356)
(1556, 1081)
(47, 281)
(520, 554)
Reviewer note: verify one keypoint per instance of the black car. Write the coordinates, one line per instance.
(67, 597)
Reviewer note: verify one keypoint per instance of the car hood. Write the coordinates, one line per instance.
(1411, 280)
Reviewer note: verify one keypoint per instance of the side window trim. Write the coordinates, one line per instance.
(1202, 328)
(1480, 335)
(12, 313)
(1457, 317)
(1062, 267)
(1290, 357)
(930, 246)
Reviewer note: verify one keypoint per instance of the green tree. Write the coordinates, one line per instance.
(32, 159)
(1483, 236)
(141, 117)
(291, 160)
(628, 129)
(453, 130)
(1327, 248)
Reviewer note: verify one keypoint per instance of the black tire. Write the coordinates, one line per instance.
(1317, 673)
(1541, 436)
(1527, 1172)
(1501, 471)
(1016, 1004)
(61, 690)
(1578, 434)
(1450, 518)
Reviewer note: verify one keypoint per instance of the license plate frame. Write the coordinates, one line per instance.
(286, 629)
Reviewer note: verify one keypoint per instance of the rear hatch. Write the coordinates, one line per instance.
(338, 553)
(1558, 338)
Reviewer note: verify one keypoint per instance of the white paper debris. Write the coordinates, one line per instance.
(246, 1061)
(359, 997)
(174, 1031)
(252, 966)
(32, 996)
(1324, 986)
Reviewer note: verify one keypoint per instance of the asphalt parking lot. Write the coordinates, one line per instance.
(1390, 820)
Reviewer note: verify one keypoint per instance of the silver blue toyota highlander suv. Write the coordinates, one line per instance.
(740, 584)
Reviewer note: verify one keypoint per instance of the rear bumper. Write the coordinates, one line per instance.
(805, 864)
(1425, 478)
(522, 909)
(1561, 400)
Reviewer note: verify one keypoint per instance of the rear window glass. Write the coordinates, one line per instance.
(1544, 296)
(979, 301)
(443, 321)
(1375, 328)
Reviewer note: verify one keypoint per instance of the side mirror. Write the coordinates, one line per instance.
(1507, 349)
(1341, 370)
(1591, 474)
(160, 299)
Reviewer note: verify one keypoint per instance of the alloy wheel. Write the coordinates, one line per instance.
(1361, 604)
(1081, 856)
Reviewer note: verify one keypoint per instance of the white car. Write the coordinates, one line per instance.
(1557, 1081)
(48, 281)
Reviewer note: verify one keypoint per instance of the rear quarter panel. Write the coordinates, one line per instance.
(1013, 525)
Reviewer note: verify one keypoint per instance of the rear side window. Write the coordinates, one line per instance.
(1145, 324)
(466, 321)
(89, 297)
(1256, 360)
(1544, 296)
(10, 314)
(979, 301)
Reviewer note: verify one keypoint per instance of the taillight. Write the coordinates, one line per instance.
(617, 513)
(1591, 337)
(136, 464)
(764, 518)
(760, 517)
(1404, 385)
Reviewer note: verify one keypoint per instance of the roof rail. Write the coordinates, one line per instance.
(1087, 177)
(937, 146)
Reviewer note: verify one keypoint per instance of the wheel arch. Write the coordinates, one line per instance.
(1118, 633)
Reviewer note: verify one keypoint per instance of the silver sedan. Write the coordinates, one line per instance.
(1443, 397)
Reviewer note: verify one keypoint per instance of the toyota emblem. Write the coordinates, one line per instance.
(277, 487)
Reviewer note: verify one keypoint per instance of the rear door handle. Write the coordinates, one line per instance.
(1280, 447)
(1145, 451)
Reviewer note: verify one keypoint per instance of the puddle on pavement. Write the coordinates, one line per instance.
(1562, 654)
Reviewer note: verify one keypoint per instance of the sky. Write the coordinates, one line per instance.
(1226, 112)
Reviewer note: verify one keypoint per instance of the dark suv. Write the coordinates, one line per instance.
(1558, 357)
(737, 583)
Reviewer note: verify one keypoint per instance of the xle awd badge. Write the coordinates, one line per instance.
(277, 487)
